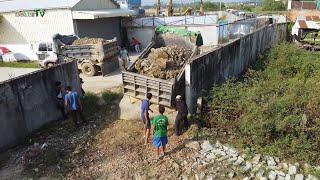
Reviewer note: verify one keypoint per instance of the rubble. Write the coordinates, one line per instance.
(87, 40)
(164, 62)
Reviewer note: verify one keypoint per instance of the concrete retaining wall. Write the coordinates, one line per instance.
(28, 102)
(230, 60)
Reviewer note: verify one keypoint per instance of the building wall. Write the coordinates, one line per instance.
(106, 28)
(143, 34)
(95, 5)
(28, 102)
(230, 60)
(24, 30)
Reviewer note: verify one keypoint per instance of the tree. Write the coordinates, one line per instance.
(210, 6)
(272, 5)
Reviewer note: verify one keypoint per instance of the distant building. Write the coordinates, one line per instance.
(304, 5)
(130, 5)
(24, 23)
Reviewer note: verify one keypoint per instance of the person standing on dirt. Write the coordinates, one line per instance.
(60, 93)
(160, 138)
(145, 108)
(181, 118)
(73, 106)
(124, 56)
(136, 43)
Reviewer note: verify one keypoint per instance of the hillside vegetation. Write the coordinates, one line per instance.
(275, 107)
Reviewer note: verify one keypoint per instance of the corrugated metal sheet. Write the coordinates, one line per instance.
(96, 5)
(20, 5)
(315, 18)
(309, 5)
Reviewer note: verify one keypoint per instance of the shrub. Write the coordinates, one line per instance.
(274, 109)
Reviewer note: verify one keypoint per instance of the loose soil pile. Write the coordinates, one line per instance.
(87, 40)
(164, 62)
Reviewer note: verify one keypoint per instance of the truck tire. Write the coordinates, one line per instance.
(88, 69)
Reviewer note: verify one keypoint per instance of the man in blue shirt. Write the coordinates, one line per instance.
(145, 107)
(74, 106)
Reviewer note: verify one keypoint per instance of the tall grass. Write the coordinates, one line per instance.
(275, 108)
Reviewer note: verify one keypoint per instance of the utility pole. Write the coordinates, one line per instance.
(158, 8)
(170, 8)
(201, 7)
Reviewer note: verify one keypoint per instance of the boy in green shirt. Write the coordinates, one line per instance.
(160, 123)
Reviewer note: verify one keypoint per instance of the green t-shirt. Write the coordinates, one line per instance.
(160, 123)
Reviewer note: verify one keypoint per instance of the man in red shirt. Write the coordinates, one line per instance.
(136, 43)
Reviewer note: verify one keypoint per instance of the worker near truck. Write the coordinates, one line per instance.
(136, 43)
(181, 121)
(124, 57)
(145, 108)
(160, 138)
(60, 93)
(73, 106)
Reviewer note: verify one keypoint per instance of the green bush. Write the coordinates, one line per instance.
(90, 104)
(275, 108)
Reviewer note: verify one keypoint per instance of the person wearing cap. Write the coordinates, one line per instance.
(181, 118)
(145, 108)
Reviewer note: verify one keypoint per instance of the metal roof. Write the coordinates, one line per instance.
(20, 5)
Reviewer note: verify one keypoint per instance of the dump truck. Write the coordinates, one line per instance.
(137, 84)
(93, 55)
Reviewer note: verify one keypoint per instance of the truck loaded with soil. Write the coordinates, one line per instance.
(160, 69)
(93, 55)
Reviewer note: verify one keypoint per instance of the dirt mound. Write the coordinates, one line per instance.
(87, 40)
(164, 62)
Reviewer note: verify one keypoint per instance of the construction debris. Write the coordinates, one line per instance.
(87, 40)
(164, 62)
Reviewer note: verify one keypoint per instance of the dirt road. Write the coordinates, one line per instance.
(8, 72)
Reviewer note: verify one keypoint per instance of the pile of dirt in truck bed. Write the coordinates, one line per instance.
(87, 40)
(164, 62)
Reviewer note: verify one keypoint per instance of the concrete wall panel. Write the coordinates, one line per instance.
(28, 102)
(230, 60)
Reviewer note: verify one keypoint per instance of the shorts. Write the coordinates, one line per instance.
(160, 141)
(147, 124)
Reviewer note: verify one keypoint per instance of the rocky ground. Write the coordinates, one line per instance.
(87, 40)
(106, 148)
(164, 62)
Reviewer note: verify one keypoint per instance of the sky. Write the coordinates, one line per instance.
(151, 2)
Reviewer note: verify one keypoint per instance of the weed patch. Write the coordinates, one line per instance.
(27, 64)
(274, 109)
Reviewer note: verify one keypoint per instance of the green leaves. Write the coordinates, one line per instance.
(275, 107)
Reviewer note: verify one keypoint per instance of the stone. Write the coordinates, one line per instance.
(298, 177)
(307, 167)
(184, 177)
(292, 170)
(206, 146)
(193, 145)
(272, 175)
(285, 166)
(256, 167)
(210, 178)
(260, 173)
(256, 159)
(223, 158)
(210, 156)
(311, 177)
(271, 161)
(197, 177)
(280, 178)
(280, 173)
(247, 167)
(263, 178)
(246, 178)
(232, 159)
(239, 161)
(288, 177)
(277, 159)
(231, 174)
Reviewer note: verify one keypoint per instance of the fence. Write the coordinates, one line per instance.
(230, 60)
(28, 102)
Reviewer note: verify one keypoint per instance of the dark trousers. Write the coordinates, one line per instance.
(77, 117)
(180, 123)
(60, 105)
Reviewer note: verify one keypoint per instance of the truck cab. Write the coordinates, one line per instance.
(45, 53)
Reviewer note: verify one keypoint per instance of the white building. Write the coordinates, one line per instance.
(23, 22)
